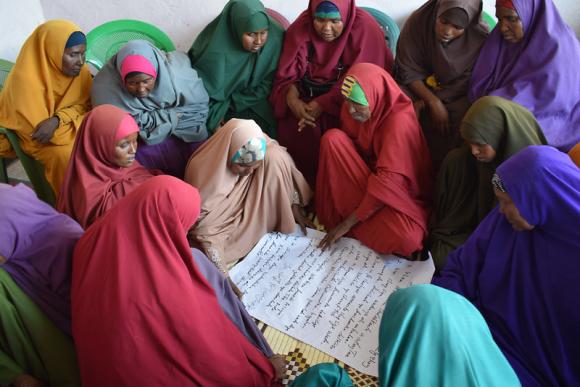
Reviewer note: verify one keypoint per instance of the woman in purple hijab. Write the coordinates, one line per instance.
(520, 267)
(532, 58)
(38, 243)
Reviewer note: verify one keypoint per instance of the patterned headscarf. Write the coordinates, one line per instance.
(253, 150)
(352, 90)
(497, 183)
(327, 10)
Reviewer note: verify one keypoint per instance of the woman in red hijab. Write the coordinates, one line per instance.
(143, 314)
(102, 168)
(319, 48)
(374, 180)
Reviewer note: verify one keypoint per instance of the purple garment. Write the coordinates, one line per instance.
(230, 303)
(526, 283)
(170, 156)
(38, 243)
(540, 72)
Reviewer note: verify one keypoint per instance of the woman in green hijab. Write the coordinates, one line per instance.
(236, 55)
(494, 129)
(429, 336)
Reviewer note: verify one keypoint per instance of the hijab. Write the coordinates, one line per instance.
(525, 282)
(420, 54)
(538, 72)
(135, 265)
(38, 244)
(393, 139)
(433, 337)
(36, 88)
(93, 182)
(237, 79)
(177, 105)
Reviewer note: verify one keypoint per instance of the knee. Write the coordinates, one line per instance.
(334, 138)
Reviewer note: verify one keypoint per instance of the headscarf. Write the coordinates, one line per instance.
(93, 182)
(535, 72)
(253, 150)
(327, 10)
(134, 265)
(75, 39)
(177, 105)
(430, 336)
(361, 41)
(508, 128)
(393, 139)
(36, 89)
(525, 283)
(420, 54)
(38, 244)
(505, 3)
(236, 79)
(505, 125)
(137, 64)
(351, 90)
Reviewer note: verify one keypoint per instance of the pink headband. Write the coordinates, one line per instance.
(137, 63)
(126, 127)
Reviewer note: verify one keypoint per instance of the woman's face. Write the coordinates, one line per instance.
(510, 24)
(445, 31)
(125, 150)
(328, 29)
(73, 60)
(508, 208)
(484, 153)
(140, 85)
(358, 112)
(244, 169)
(254, 41)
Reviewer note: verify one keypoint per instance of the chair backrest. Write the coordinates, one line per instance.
(33, 168)
(105, 40)
(490, 20)
(5, 67)
(284, 23)
(388, 25)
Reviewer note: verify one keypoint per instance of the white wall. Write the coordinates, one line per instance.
(19, 18)
(182, 20)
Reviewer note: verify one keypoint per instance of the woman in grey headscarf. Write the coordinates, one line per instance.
(166, 98)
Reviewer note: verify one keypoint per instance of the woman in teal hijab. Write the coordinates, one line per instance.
(236, 55)
(430, 336)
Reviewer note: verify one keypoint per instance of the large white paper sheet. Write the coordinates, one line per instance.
(332, 300)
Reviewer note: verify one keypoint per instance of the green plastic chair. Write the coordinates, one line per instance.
(33, 168)
(388, 25)
(105, 40)
(490, 20)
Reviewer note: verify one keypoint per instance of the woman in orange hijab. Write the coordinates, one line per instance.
(47, 94)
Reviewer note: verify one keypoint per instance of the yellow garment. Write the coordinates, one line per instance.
(36, 89)
(575, 154)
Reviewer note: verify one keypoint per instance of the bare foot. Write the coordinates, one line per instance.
(279, 363)
(24, 380)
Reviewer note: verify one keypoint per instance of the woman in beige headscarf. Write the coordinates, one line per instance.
(249, 186)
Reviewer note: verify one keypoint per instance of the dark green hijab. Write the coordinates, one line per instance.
(505, 125)
(237, 81)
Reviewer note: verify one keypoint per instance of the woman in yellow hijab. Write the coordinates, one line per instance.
(46, 96)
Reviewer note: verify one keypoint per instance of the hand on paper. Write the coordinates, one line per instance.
(45, 130)
(301, 219)
(337, 232)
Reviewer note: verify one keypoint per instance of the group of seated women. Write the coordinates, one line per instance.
(447, 148)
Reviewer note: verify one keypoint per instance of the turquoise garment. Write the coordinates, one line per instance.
(430, 336)
(323, 375)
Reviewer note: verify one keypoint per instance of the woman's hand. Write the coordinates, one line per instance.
(299, 108)
(440, 116)
(337, 232)
(418, 105)
(45, 130)
(301, 218)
